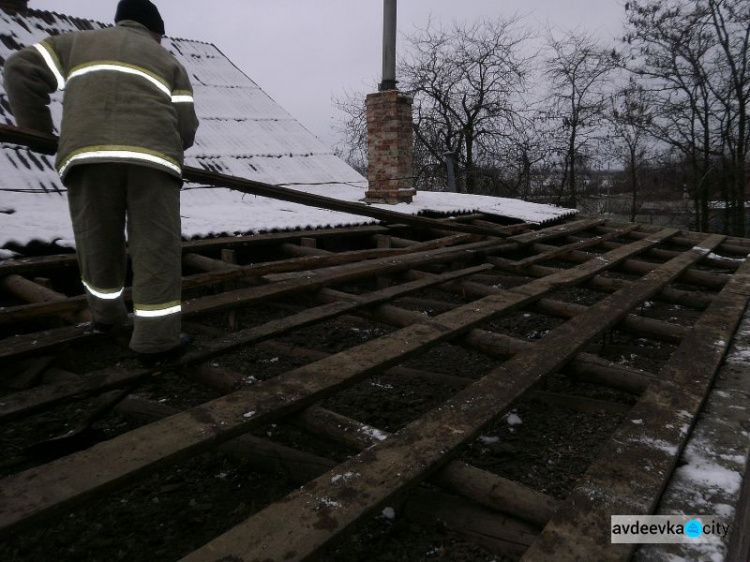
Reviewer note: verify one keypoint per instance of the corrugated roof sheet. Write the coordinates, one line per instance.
(243, 132)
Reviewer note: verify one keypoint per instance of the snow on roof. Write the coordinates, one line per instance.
(243, 132)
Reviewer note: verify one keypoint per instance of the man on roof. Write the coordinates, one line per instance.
(128, 117)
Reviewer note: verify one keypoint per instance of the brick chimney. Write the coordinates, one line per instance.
(13, 6)
(389, 127)
(389, 148)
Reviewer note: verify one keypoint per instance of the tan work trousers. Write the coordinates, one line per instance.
(104, 199)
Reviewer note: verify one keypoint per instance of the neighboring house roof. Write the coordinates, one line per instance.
(243, 132)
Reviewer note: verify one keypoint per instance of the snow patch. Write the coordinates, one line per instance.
(327, 502)
(734, 261)
(389, 513)
(702, 472)
(659, 444)
(344, 477)
(372, 432)
(736, 459)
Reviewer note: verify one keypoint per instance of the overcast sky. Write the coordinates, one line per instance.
(305, 52)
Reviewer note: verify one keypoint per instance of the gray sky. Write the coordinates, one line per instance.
(304, 52)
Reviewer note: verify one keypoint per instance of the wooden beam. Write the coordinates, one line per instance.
(584, 366)
(712, 260)
(714, 281)
(480, 486)
(289, 283)
(739, 546)
(28, 377)
(499, 533)
(649, 327)
(506, 537)
(490, 490)
(348, 436)
(324, 508)
(261, 454)
(35, 293)
(731, 245)
(553, 252)
(34, 140)
(221, 274)
(42, 492)
(26, 402)
(633, 468)
(29, 344)
(34, 265)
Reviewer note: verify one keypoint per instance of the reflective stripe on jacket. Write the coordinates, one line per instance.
(126, 98)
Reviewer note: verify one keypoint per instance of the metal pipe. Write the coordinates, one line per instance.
(389, 45)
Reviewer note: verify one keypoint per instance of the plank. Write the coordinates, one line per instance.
(44, 491)
(290, 283)
(27, 402)
(739, 546)
(538, 236)
(633, 468)
(31, 344)
(731, 245)
(73, 304)
(485, 488)
(9, 315)
(720, 439)
(307, 519)
(299, 467)
(33, 292)
(26, 266)
(35, 140)
(33, 371)
(24, 312)
(693, 299)
(552, 253)
(656, 329)
(585, 366)
(34, 265)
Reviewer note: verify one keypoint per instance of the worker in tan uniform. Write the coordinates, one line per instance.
(128, 116)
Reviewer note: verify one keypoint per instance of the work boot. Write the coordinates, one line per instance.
(160, 357)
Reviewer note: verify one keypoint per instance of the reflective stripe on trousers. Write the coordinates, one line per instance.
(104, 294)
(156, 311)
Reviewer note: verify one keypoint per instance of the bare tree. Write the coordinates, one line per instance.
(694, 54)
(353, 130)
(630, 116)
(578, 69)
(465, 81)
(731, 24)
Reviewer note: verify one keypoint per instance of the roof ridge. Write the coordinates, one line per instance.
(75, 19)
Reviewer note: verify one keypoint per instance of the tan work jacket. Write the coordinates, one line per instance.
(126, 99)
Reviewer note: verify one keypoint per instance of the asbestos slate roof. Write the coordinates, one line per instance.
(243, 132)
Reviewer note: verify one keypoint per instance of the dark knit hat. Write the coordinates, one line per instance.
(141, 11)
